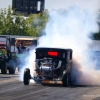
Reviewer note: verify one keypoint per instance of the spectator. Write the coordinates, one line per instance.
(23, 48)
(18, 46)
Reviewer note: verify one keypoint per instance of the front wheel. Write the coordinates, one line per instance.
(12, 69)
(4, 68)
(26, 77)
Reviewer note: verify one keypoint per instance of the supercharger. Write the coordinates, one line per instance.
(48, 65)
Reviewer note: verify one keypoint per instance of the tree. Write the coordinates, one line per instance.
(37, 22)
(12, 23)
(96, 36)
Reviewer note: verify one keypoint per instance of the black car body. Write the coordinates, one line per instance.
(53, 65)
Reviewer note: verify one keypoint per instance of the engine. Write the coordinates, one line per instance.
(48, 67)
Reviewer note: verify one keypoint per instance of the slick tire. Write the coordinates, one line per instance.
(3, 68)
(65, 80)
(12, 70)
(12, 67)
(26, 77)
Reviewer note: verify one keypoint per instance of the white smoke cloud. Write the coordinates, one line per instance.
(28, 62)
(69, 26)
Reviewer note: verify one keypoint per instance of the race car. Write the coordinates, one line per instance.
(53, 66)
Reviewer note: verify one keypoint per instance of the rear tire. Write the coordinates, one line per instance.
(12, 67)
(12, 70)
(65, 80)
(26, 77)
(4, 68)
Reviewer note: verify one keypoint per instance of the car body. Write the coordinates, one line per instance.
(53, 66)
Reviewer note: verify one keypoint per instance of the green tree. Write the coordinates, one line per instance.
(96, 36)
(17, 24)
(37, 22)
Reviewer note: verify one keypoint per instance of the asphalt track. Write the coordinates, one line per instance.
(11, 88)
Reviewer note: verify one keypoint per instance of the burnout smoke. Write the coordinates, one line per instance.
(28, 62)
(69, 26)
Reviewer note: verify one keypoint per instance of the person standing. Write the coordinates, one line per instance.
(18, 46)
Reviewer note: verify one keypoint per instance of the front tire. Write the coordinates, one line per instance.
(26, 77)
(12, 69)
(3, 68)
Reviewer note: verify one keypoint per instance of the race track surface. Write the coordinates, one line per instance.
(11, 88)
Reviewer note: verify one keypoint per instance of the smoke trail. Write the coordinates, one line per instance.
(71, 29)
(28, 62)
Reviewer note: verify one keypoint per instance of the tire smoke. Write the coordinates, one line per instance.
(29, 62)
(71, 27)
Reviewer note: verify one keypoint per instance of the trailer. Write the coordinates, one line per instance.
(28, 45)
(7, 58)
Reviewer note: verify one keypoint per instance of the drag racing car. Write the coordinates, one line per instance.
(53, 66)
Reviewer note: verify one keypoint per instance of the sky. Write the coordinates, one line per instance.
(53, 4)
(6, 3)
(48, 3)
